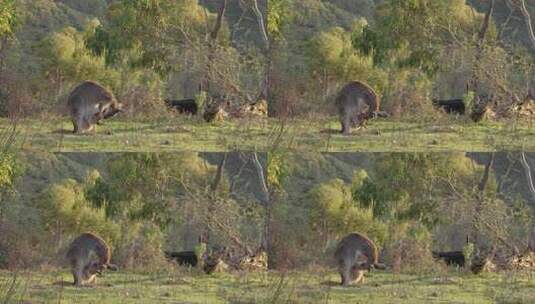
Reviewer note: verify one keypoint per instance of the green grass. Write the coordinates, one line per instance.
(388, 135)
(180, 286)
(180, 134)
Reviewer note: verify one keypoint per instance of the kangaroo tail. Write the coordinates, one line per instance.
(380, 114)
(379, 266)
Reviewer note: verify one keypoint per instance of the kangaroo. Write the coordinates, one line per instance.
(183, 106)
(355, 254)
(184, 258)
(451, 106)
(88, 104)
(455, 258)
(356, 103)
(88, 256)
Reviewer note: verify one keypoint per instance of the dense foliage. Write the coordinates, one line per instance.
(145, 51)
(419, 201)
(409, 51)
(142, 204)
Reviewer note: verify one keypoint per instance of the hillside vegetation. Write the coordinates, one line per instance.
(410, 52)
(144, 204)
(54, 45)
(296, 55)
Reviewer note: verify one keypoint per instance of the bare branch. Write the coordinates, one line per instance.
(527, 171)
(261, 178)
(261, 24)
(217, 25)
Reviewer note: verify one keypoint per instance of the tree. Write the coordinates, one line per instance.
(142, 186)
(152, 32)
(65, 59)
(8, 168)
(212, 43)
(412, 186)
(521, 4)
(480, 48)
(334, 213)
(417, 28)
(66, 212)
(8, 17)
(8, 20)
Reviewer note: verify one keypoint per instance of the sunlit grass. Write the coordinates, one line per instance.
(158, 135)
(391, 135)
(181, 134)
(180, 286)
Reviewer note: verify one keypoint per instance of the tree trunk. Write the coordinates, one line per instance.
(219, 173)
(486, 174)
(268, 206)
(480, 197)
(479, 107)
(527, 19)
(531, 241)
(261, 23)
(212, 43)
(529, 177)
(479, 46)
(213, 195)
(264, 92)
(3, 51)
(262, 179)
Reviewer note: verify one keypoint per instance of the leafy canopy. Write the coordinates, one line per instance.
(419, 28)
(152, 31)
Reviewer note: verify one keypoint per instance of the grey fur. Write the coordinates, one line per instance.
(88, 255)
(88, 104)
(356, 103)
(355, 254)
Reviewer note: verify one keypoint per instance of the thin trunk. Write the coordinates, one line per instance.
(527, 19)
(266, 201)
(479, 199)
(479, 46)
(529, 177)
(219, 21)
(220, 169)
(262, 179)
(261, 24)
(3, 50)
(486, 174)
(264, 92)
(212, 43)
(479, 107)
(213, 195)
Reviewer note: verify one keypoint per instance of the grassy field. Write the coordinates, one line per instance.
(404, 136)
(179, 134)
(181, 286)
(158, 135)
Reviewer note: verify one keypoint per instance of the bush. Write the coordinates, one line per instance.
(140, 247)
(408, 249)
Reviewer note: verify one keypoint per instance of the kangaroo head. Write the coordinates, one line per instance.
(362, 261)
(94, 267)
